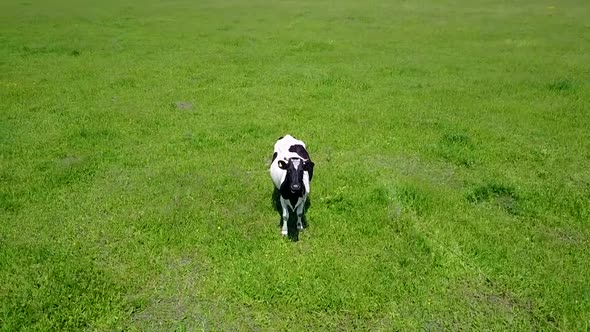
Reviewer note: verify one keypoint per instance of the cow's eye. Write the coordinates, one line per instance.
(282, 164)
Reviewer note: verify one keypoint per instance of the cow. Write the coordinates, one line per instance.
(291, 171)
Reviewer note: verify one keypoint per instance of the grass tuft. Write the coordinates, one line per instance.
(414, 199)
(499, 194)
(562, 85)
(458, 149)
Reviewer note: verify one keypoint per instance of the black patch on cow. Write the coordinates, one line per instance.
(294, 177)
(300, 150)
(287, 193)
(294, 199)
(274, 156)
(309, 168)
(280, 138)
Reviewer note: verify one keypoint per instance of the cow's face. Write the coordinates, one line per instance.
(294, 168)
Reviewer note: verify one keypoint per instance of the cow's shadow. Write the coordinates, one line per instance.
(293, 232)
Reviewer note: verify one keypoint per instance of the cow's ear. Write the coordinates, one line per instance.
(282, 164)
(308, 166)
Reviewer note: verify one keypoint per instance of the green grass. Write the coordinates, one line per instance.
(451, 142)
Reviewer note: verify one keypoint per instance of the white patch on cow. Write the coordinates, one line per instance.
(306, 182)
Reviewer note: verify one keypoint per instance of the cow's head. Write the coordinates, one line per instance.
(295, 168)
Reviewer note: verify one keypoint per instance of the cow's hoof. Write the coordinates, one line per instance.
(284, 232)
(300, 226)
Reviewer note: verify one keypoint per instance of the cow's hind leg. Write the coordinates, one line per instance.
(284, 229)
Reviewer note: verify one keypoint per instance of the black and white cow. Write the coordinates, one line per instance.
(291, 171)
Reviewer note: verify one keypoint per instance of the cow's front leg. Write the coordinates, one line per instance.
(284, 229)
(300, 211)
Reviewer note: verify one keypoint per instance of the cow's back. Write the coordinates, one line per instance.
(284, 143)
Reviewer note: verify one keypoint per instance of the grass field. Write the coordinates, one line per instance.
(451, 141)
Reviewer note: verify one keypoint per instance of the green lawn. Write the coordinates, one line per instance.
(451, 141)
